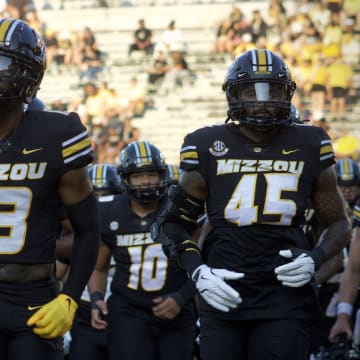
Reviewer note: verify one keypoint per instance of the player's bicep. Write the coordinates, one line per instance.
(327, 200)
(194, 184)
(74, 186)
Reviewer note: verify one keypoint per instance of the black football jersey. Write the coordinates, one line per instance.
(41, 149)
(258, 194)
(142, 270)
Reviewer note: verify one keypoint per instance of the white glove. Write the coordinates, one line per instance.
(215, 291)
(298, 272)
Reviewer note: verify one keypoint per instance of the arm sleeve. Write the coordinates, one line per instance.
(185, 293)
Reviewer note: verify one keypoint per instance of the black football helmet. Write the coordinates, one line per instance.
(259, 90)
(141, 156)
(104, 179)
(173, 173)
(295, 115)
(22, 60)
(347, 172)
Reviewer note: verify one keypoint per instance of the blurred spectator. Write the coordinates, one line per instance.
(332, 36)
(109, 144)
(91, 63)
(347, 145)
(58, 105)
(158, 68)
(173, 39)
(352, 8)
(276, 13)
(219, 45)
(33, 19)
(18, 8)
(238, 29)
(339, 87)
(258, 26)
(350, 44)
(65, 52)
(51, 44)
(136, 97)
(318, 80)
(334, 6)
(94, 108)
(321, 122)
(244, 44)
(178, 74)
(85, 37)
(142, 39)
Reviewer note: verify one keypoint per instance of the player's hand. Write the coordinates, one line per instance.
(341, 326)
(97, 315)
(298, 271)
(54, 318)
(166, 308)
(214, 290)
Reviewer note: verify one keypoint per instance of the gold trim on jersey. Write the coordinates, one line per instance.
(76, 147)
(326, 150)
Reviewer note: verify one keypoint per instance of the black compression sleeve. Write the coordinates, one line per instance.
(185, 293)
(84, 218)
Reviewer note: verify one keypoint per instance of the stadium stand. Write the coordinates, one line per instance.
(170, 113)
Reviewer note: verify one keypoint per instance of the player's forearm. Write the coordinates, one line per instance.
(349, 285)
(335, 237)
(329, 268)
(97, 282)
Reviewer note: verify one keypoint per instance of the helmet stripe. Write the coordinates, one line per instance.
(11, 30)
(143, 152)
(346, 170)
(99, 175)
(7, 28)
(261, 60)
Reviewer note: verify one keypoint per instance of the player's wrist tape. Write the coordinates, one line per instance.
(344, 307)
(95, 297)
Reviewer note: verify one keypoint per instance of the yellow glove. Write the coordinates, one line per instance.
(54, 318)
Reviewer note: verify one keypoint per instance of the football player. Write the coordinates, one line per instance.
(348, 174)
(348, 178)
(43, 166)
(86, 341)
(255, 174)
(150, 312)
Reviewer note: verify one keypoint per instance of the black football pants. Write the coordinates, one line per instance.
(18, 342)
(253, 339)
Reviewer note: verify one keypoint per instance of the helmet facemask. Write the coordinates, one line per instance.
(148, 192)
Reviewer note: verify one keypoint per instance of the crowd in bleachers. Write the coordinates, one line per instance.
(320, 43)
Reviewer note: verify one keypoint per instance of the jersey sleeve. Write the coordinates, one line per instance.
(192, 154)
(356, 214)
(327, 156)
(76, 144)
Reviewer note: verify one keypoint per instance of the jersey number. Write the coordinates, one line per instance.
(241, 209)
(15, 205)
(148, 268)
